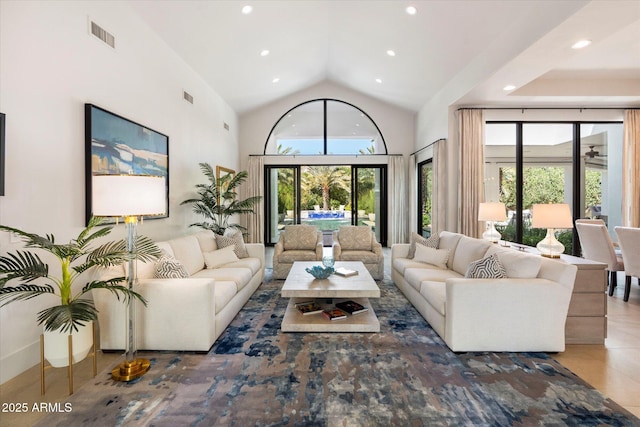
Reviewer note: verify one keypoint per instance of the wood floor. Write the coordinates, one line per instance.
(614, 368)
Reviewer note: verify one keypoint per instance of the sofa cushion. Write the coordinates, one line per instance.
(240, 276)
(366, 257)
(416, 239)
(207, 240)
(170, 268)
(223, 292)
(253, 264)
(235, 240)
(300, 237)
(415, 276)
(518, 265)
(288, 257)
(437, 257)
(220, 257)
(187, 250)
(468, 250)
(488, 267)
(355, 237)
(401, 264)
(436, 295)
(449, 241)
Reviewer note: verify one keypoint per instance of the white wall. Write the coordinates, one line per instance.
(49, 67)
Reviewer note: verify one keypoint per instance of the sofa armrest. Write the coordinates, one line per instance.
(399, 250)
(319, 246)
(256, 250)
(506, 314)
(337, 250)
(376, 248)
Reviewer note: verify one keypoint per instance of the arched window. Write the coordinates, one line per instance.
(325, 127)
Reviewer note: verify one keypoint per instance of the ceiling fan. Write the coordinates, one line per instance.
(592, 153)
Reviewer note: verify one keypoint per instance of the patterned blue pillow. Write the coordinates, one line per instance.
(488, 267)
(170, 268)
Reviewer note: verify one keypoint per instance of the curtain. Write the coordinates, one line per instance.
(255, 187)
(439, 195)
(412, 192)
(399, 218)
(631, 169)
(470, 170)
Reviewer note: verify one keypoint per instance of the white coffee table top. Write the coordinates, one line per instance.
(301, 284)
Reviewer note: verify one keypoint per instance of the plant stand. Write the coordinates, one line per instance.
(92, 354)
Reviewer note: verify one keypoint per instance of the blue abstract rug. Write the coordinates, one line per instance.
(255, 375)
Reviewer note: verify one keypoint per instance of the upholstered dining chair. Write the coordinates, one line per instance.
(358, 243)
(629, 241)
(597, 246)
(298, 242)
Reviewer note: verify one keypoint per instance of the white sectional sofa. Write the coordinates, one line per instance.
(526, 311)
(183, 313)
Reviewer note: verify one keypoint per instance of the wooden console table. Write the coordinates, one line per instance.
(587, 317)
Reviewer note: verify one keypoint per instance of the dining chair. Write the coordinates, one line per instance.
(597, 246)
(629, 241)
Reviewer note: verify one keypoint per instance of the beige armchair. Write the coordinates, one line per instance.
(629, 241)
(296, 243)
(358, 243)
(597, 246)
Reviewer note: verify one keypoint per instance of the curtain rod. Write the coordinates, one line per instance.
(548, 108)
(322, 155)
(427, 146)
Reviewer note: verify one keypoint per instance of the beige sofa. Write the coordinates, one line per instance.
(184, 313)
(358, 243)
(526, 311)
(296, 243)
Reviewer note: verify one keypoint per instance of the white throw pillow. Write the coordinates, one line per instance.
(488, 267)
(437, 257)
(170, 268)
(233, 238)
(220, 257)
(416, 239)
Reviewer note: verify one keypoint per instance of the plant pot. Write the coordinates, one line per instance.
(56, 345)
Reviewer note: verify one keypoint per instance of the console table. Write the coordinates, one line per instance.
(587, 317)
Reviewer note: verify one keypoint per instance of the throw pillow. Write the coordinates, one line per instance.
(427, 255)
(233, 239)
(170, 268)
(430, 242)
(220, 257)
(488, 267)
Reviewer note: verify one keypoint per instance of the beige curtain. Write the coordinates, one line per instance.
(439, 196)
(255, 187)
(470, 170)
(412, 169)
(631, 169)
(399, 209)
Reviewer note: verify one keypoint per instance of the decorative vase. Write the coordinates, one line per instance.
(328, 261)
(56, 345)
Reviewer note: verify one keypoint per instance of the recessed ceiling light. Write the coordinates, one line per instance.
(509, 87)
(391, 52)
(378, 80)
(265, 52)
(411, 10)
(247, 9)
(276, 80)
(580, 44)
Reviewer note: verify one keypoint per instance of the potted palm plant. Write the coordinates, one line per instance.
(24, 275)
(217, 201)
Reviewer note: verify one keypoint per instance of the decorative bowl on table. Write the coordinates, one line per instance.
(320, 272)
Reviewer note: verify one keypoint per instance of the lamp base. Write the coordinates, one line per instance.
(550, 247)
(491, 234)
(128, 371)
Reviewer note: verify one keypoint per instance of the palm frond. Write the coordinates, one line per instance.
(207, 170)
(115, 287)
(31, 240)
(9, 294)
(68, 317)
(22, 265)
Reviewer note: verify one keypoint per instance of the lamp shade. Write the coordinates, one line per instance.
(492, 211)
(551, 215)
(128, 195)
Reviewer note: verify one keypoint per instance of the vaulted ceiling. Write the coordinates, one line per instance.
(470, 49)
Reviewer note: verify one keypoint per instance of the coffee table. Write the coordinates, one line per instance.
(301, 286)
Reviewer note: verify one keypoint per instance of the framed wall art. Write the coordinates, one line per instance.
(2, 155)
(115, 145)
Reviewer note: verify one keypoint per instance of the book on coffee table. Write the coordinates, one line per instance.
(334, 314)
(345, 272)
(309, 307)
(351, 307)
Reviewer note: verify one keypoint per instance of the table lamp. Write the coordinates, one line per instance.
(492, 212)
(551, 216)
(129, 196)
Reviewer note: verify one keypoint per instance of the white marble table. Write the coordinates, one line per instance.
(301, 286)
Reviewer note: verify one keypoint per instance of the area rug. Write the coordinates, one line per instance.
(256, 375)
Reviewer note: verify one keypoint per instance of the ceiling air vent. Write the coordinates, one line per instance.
(103, 34)
(187, 97)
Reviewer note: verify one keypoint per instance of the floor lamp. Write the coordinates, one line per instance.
(129, 196)
(551, 216)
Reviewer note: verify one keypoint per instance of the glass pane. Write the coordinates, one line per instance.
(282, 190)
(300, 131)
(547, 175)
(350, 131)
(426, 186)
(326, 197)
(500, 173)
(601, 157)
(368, 198)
